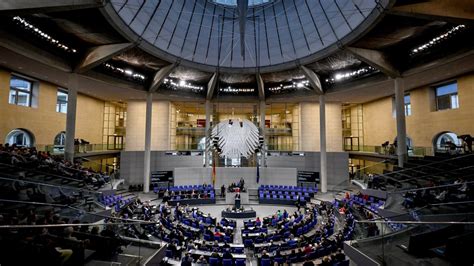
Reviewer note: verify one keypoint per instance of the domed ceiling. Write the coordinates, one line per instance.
(241, 36)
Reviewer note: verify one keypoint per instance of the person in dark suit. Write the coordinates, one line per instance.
(187, 260)
(237, 200)
(227, 254)
(265, 255)
(223, 191)
(298, 202)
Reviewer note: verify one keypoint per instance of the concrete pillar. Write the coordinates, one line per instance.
(207, 149)
(323, 174)
(148, 116)
(71, 117)
(262, 128)
(401, 125)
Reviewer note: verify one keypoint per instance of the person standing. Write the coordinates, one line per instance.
(298, 202)
(223, 190)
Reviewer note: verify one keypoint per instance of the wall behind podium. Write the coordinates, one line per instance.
(226, 176)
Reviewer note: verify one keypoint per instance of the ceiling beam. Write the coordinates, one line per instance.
(459, 11)
(261, 88)
(243, 6)
(376, 59)
(98, 55)
(211, 86)
(45, 6)
(160, 75)
(313, 79)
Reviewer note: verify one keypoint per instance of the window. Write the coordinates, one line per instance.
(447, 96)
(20, 91)
(59, 142)
(407, 105)
(444, 140)
(61, 104)
(20, 137)
(60, 139)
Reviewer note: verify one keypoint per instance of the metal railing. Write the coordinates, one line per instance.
(412, 151)
(81, 148)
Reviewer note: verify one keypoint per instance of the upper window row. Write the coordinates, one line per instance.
(21, 93)
(446, 97)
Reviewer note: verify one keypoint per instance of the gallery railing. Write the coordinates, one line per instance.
(390, 151)
(81, 148)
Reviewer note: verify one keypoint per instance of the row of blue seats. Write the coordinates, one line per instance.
(311, 256)
(226, 239)
(288, 188)
(191, 187)
(370, 200)
(283, 197)
(217, 261)
(273, 192)
(275, 237)
(231, 223)
(178, 197)
(111, 200)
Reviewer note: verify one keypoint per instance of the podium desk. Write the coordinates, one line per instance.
(230, 198)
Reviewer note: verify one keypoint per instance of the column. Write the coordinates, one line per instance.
(401, 125)
(148, 116)
(262, 129)
(322, 133)
(71, 117)
(207, 149)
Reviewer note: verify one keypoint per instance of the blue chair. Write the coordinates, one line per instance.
(169, 253)
(227, 262)
(208, 237)
(238, 250)
(227, 239)
(279, 260)
(248, 242)
(239, 262)
(213, 261)
(265, 262)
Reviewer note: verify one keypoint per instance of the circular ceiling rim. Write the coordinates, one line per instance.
(365, 26)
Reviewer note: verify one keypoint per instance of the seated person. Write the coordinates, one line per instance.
(201, 260)
(227, 254)
(186, 260)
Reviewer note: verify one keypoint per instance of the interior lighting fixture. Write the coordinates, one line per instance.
(236, 90)
(438, 39)
(348, 75)
(127, 72)
(35, 30)
(292, 85)
(182, 84)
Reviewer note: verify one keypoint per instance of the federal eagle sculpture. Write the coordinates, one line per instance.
(236, 139)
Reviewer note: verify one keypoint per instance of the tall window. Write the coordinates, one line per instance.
(407, 104)
(447, 96)
(61, 103)
(20, 91)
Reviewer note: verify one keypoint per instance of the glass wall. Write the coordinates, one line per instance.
(188, 122)
(282, 127)
(115, 117)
